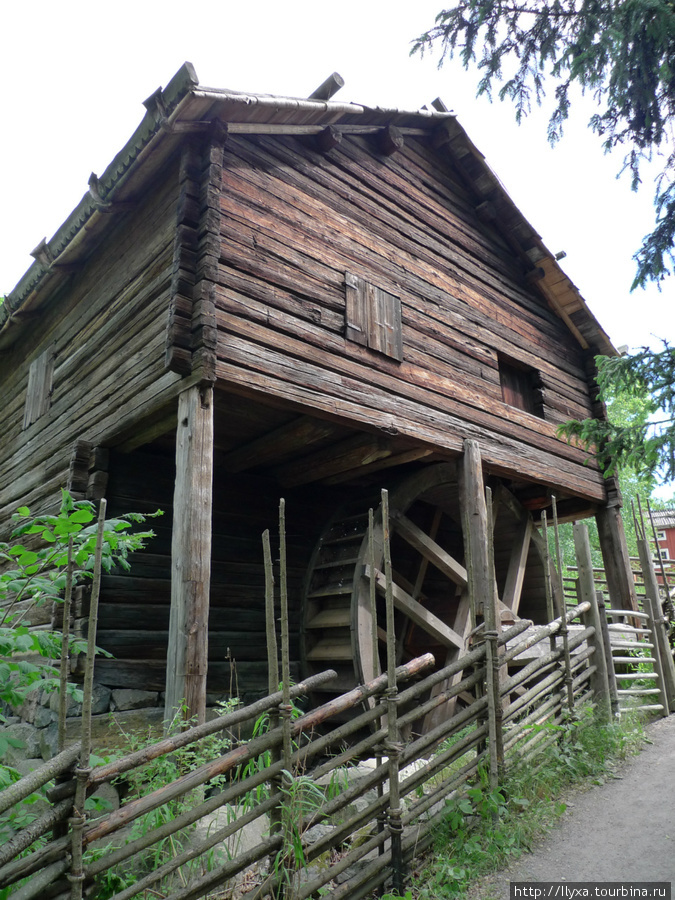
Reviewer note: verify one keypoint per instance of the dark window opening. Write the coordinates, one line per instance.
(521, 386)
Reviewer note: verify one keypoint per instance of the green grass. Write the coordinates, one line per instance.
(484, 830)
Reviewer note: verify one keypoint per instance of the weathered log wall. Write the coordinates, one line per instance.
(295, 221)
(134, 611)
(107, 332)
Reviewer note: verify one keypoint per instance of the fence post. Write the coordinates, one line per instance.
(273, 677)
(286, 710)
(609, 660)
(567, 665)
(78, 818)
(492, 665)
(382, 815)
(393, 746)
(550, 604)
(587, 593)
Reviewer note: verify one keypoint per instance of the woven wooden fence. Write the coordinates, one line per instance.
(304, 771)
(446, 758)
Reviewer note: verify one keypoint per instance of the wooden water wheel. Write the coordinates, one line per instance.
(430, 581)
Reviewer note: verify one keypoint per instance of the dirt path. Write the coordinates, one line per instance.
(623, 830)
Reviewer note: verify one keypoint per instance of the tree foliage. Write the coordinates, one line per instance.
(626, 410)
(33, 573)
(642, 439)
(620, 51)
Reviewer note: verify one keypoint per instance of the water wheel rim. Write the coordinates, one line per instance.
(413, 489)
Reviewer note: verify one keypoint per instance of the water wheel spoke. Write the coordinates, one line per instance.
(426, 620)
(429, 549)
(463, 626)
(424, 562)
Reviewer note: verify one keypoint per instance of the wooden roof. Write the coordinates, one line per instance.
(185, 107)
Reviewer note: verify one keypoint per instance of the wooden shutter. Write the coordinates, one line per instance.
(39, 391)
(357, 310)
(373, 317)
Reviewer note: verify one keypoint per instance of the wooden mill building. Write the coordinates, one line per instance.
(266, 296)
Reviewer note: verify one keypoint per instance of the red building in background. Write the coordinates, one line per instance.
(664, 522)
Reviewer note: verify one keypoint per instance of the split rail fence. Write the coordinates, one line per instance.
(502, 701)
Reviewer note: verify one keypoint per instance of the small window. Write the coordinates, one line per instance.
(660, 535)
(521, 386)
(39, 391)
(664, 554)
(373, 317)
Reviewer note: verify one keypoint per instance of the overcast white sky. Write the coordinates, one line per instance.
(74, 75)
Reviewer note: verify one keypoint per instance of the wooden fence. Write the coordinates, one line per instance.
(507, 694)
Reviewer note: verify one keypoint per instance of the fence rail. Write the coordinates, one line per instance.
(430, 768)
(308, 771)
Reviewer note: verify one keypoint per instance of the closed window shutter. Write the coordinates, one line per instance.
(373, 317)
(39, 391)
(357, 310)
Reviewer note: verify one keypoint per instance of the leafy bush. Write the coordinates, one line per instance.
(34, 564)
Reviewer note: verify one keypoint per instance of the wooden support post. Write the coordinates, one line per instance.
(392, 745)
(187, 652)
(475, 528)
(600, 680)
(620, 582)
(564, 630)
(662, 651)
(609, 659)
(493, 677)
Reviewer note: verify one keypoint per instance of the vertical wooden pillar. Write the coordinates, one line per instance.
(600, 678)
(620, 582)
(475, 528)
(187, 653)
(654, 608)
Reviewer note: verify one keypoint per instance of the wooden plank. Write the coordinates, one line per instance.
(187, 655)
(357, 318)
(123, 285)
(393, 228)
(345, 456)
(397, 459)
(382, 194)
(515, 573)
(298, 434)
(396, 180)
(497, 418)
(427, 621)
(280, 378)
(39, 390)
(429, 549)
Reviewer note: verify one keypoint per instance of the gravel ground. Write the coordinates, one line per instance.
(623, 830)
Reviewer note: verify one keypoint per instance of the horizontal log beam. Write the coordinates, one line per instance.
(301, 432)
(346, 456)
